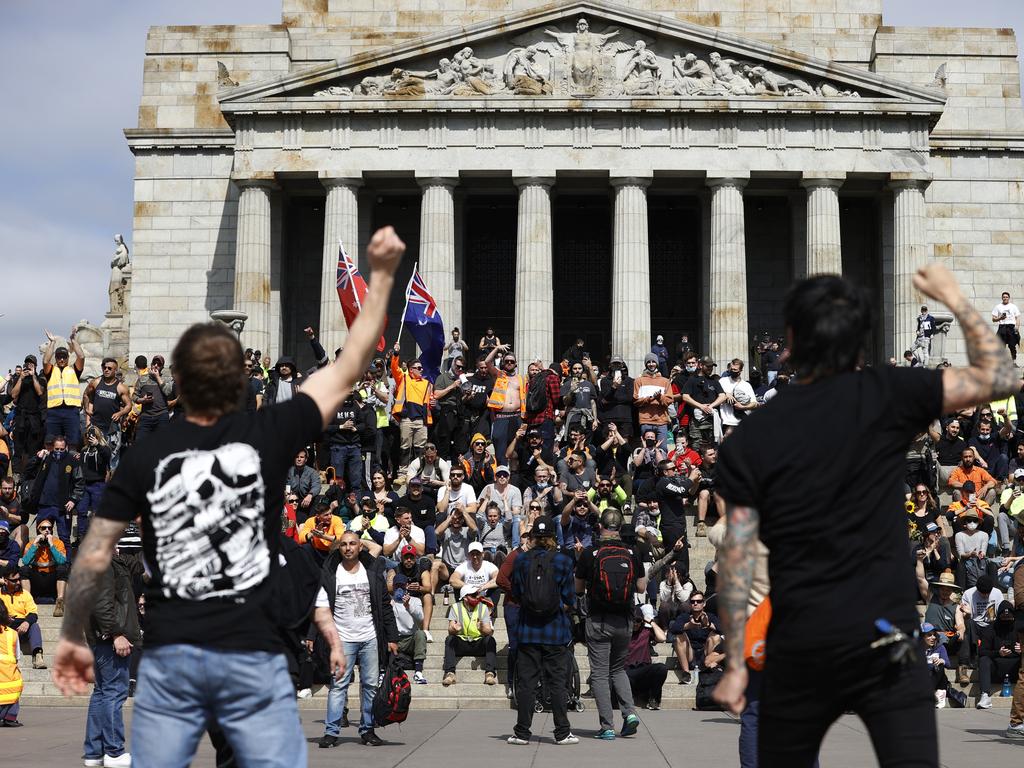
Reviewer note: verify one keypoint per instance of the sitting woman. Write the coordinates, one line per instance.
(999, 654)
(938, 660)
(646, 679)
(386, 499)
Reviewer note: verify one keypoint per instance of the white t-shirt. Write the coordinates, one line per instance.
(983, 612)
(473, 578)
(465, 494)
(1011, 310)
(512, 499)
(352, 614)
(415, 534)
(742, 392)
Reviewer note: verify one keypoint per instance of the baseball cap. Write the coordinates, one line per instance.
(543, 526)
(400, 580)
(708, 360)
(408, 549)
(1018, 473)
(533, 433)
(476, 546)
(617, 359)
(467, 590)
(416, 480)
(931, 527)
(504, 469)
(4, 526)
(926, 628)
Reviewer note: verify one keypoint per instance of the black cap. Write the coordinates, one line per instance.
(543, 526)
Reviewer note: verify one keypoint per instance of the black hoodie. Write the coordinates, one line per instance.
(1000, 633)
(272, 386)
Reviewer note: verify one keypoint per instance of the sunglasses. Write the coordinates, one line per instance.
(416, 367)
(535, 506)
(921, 493)
(479, 442)
(44, 528)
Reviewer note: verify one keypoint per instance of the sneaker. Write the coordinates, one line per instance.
(131, 689)
(305, 693)
(702, 528)
(984, 702)
(606, 735)
(449, 679)
(654, 705)
(1015, 731)
(940, 699)
(327, 742)
(123, 760)
(12, 723)
(570, 739)
(58, 611)
(490, 678)
(685, 678)
(420, 678)
(371, 739)
(430, 637)
(93, 762)
(37, 660)
(963, 675)
(630, 725)
(515, 741)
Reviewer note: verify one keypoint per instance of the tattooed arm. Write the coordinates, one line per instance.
(736, 560)
(72, 662)
(990, 375)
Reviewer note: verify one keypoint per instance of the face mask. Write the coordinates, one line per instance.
(734, 374)
(691, 369)
(972, 526)
(985, 438)
(542, 484)
(58, 454)
(650, 443)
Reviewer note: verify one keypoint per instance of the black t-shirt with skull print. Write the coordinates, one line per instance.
(211, 501)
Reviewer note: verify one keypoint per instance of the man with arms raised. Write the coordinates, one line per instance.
(210, 493)
(830, 586)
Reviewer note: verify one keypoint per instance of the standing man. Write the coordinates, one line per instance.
(107, 403)
(152, 393)
(113, 630)
(507, 401)
(610, 574)
(925, 331)
(57, 488)
(411, 410)
(1006, 316)
(826, 611)
(354, 596)
(63, 389)
(210, 494)
(28, 394)
(652, 395)
(702, 395)
(542, 588)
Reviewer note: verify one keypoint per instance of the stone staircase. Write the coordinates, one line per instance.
(469, 692)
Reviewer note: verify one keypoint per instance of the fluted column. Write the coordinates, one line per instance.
(910, 238)
(437, 242)
(252, 259)
(535, 319)
(341, 224)
(728, 271)
(824, 248)
(631, 276)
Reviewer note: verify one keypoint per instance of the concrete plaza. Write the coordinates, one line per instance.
(52, 736)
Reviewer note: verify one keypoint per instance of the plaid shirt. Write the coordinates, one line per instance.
(545, 630)
(554, 387)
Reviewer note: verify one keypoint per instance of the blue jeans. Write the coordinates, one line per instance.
(184, 688)
(364, 654)
(104, 728)
(61, 522)
(89, 502)
(65, 420)
(347, 461)
(515, 530)
(662, 432)
(429, 540)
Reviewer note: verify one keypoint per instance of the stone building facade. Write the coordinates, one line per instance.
(575, 168)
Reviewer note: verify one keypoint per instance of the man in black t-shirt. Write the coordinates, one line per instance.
(830, 593)
(210, 493)
(701, 396)
(948, 449)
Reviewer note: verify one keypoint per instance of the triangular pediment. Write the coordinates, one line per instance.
(581, 50)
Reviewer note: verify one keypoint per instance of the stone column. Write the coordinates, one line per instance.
(437, 242)
(824, 249)
(631, 277)
(535, 318)
(252, 259)
(728, 271)
(341, 223)
(910, 242)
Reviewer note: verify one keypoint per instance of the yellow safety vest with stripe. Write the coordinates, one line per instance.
(496, 400)
(10, 675)
(63, 388)
(471, 621)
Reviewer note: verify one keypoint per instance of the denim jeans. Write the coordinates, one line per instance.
(104, 728)
(89, 502)
(365, 655)
(149, 423)
(661, 430)
(183, 688)
(347, 461)
(61, 523)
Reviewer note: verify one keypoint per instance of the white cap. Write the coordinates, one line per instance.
(467, 589)
(647, 610)
(476, 546)
(1018, 473)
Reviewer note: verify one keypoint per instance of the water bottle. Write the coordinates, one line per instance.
(1007, 689)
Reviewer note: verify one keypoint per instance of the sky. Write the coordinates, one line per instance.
(71, 84)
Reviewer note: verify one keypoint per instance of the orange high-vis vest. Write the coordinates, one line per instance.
(63, 387)
(10, 675)
(756, 634)
(496, 400)
(411, 390)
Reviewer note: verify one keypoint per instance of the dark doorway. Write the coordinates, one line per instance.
(583, 273)
(674, 233)
(769, 238)
(859, 227)
(403, 213)
(489, 284)
(300, 275)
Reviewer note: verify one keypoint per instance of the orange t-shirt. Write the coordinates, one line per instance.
(756, 634)
(977, 475)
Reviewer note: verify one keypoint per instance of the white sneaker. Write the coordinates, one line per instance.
(430, 637)
(985, 702)
(420, 678)
(122, 761)
(515, 741)
(940, 698)
(304, 693)
(570, 739)
(93, 762)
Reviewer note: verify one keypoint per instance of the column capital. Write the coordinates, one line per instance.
(257, 179)
(533, 178)
(340, 179)
(437, 179)
(738, 179)
(628, 178)
(909, 180)
(829, 179)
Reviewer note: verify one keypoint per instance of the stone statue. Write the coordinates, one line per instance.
(474, 74)
(118, 279)
(693, 77)
(583, 48)
(224, 77)
(521, 74)
(733, 81)
(766, 81)
(642, 74)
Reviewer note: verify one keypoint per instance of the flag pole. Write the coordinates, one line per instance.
(408, 287)
(349, 270)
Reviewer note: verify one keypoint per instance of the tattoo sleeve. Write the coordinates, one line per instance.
(736, 562)
(91, 564)
(990, 375)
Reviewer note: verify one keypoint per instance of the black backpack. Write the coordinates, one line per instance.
(394, 695)
(537, 393)
(706, 683)
(614, 578)
(541, 595)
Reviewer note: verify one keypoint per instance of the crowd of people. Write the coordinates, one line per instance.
(450, 491)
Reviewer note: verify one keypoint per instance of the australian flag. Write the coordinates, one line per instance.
(423, 321)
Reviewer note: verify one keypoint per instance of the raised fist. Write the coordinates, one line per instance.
(385, 250)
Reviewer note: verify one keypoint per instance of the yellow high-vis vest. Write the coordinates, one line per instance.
(10, 675)
(63, 388)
